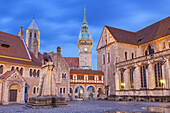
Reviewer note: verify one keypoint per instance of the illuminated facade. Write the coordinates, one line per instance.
(136, 64)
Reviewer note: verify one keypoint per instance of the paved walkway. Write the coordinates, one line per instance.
(97, 106)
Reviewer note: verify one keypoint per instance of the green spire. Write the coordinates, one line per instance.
(84, 19)
(84, 34)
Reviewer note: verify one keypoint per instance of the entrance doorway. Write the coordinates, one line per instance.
(13, 96)
(79, 92)
(90, 91)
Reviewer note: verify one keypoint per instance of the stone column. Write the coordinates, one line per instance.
(136, 78)
(117, 80)
(126, 79)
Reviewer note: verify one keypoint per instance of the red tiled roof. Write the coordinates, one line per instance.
(6, 74)
(87, 71)
(36, 63)
(16, 46)
(152, 32)
(72, 61)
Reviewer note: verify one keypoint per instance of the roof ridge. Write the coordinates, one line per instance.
(120, 29)
(152, 24)
(10, 34)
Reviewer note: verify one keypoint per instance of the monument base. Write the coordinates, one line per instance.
(46, 102)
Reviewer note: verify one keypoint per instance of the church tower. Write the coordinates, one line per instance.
(33, 38)
(85, 43)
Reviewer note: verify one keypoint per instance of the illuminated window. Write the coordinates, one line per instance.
(1, 69)
(122, 79)
(143, 76)
(158, 74)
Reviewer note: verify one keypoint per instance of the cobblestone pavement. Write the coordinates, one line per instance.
(96, 106)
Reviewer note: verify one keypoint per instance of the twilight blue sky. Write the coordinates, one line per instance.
(60, 21)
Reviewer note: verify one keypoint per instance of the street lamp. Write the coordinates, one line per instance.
(123, 85)
(162, 81)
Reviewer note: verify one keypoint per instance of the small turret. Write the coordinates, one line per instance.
(33, 38)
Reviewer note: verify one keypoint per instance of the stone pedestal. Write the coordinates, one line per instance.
(47, 95)
(46, 102)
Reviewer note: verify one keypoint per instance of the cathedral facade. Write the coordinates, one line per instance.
(136, 64)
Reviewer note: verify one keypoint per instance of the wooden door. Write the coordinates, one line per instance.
(13, 96)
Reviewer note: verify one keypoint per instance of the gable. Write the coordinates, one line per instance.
(12, 75)
(106, 36)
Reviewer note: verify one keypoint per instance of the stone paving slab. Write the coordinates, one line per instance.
(96, 106)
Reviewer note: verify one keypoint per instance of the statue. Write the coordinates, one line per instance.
(46, 58)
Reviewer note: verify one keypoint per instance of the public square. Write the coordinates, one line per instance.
(94, 106)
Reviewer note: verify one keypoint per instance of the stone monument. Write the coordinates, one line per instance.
(47, 94)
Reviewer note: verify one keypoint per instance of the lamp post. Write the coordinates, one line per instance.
(162, 81)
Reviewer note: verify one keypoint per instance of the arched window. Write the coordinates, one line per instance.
(17, 68)
(125, 55)
(103, 59)
(149, 50)
(131, 78)
(108, 57)
(169, 45)
(21, 71)
(132, 55)
(1, 69)
(34, 73)
(63, 90)
(34, 90)
(158, 74)
(35, 35)
(64, 75)
(12, 68)
(164, 45)
(60, 90)
(143, 76)
(37, 89)
(30, 72)
(38, 73)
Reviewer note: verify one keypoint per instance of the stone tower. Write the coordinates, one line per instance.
(33, 38)
(85, 43)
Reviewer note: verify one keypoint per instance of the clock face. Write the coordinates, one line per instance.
(85, 49)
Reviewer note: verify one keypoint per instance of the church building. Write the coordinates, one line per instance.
(136, 64)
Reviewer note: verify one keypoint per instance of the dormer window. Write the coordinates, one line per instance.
(5, 45)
